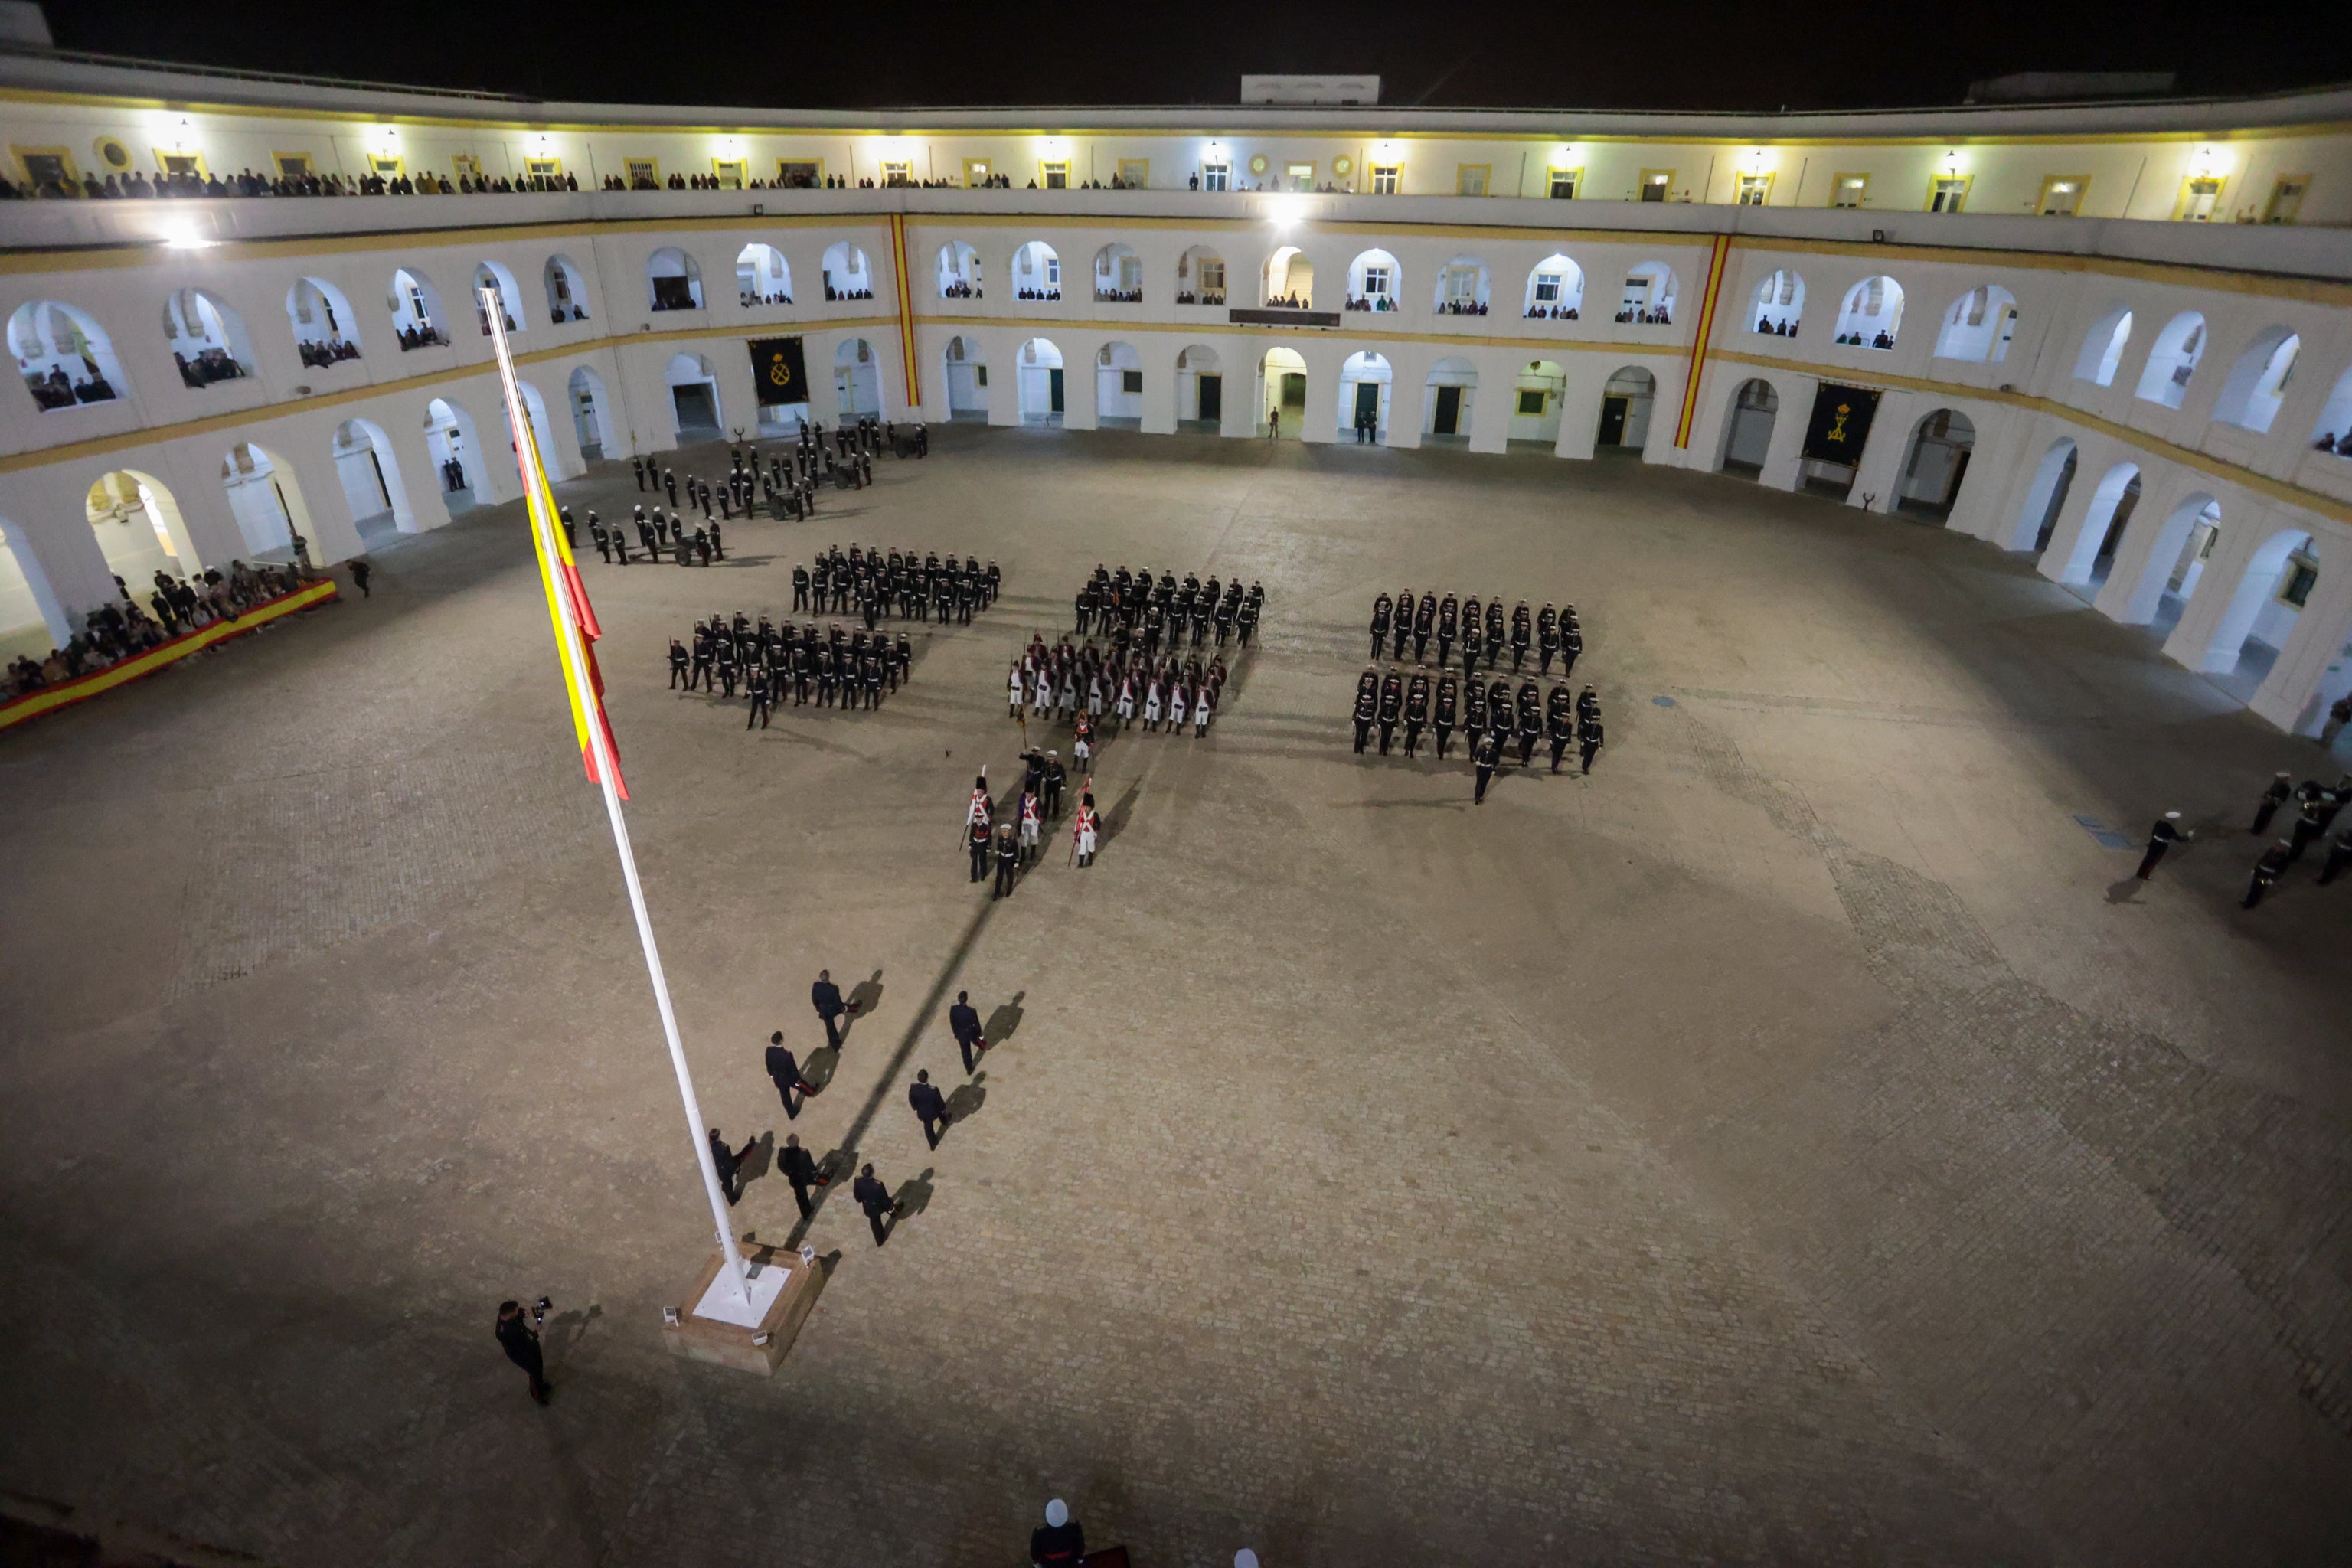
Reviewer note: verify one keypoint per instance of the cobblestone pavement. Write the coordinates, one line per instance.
(1793, 1142)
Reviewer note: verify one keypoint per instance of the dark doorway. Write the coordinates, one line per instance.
(696, 408)
(2057, 504)
(1448, 419)
(1612, 420)
(1294, 389)
(1368, 403)
(1054, 383)
(1212, 397)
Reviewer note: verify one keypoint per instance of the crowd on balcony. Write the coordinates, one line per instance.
(333, 352)
(960, 290)
(1214, 297)
(1551, 313)
(749, 298)
(1287, 302)
(1646, 317)
(116, 631)
(1369, 303)
(1119, 296)
(209, 366)
(2339, 445)
(833, 293)
(424, 336)
(1039, 294)
(1882, 340)
(56, 390)
(1462, 308)
(246, 182)
(1786, 327)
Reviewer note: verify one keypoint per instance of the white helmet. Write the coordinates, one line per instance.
(1057, 1513)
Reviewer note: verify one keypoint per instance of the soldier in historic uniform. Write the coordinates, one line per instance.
(1381, 609)
(1446, 713)
(1368, 707)
(1416, 709)
(1391, 706)
(1560, 722)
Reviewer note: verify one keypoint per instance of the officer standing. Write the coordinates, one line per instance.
(2166, 833)
(638, 464)
(2267, 871)
(1008, 861)
(604, 544)
(1484, 755)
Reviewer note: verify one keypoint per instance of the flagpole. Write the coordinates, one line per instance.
(543, 526)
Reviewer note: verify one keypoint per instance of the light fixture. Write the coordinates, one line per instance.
(183, 236)
(1286, 212)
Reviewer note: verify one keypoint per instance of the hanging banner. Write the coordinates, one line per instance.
(1841, 423)
(778, 370)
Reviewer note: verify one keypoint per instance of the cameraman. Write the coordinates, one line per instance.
(518, 1337)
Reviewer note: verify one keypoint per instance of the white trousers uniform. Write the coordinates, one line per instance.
(1152, 706)
(1176, 707)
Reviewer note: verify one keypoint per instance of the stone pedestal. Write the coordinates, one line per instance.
(712, 1326)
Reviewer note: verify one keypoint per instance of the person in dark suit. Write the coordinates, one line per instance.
(520, 1341)
(1484, 752)
(2281, 788)
(826, 997)
(930, 1107)
(963, 1022)
(800, 1171)
(730, 1165)
(875, 1199)
(1058, 1543)
(784, 1072)
(2166, 833)
(2267, 871)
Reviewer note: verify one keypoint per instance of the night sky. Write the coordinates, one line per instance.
(1662, 54)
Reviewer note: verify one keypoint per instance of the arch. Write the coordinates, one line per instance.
(2104, 522)
(2184, 543)
(1200, 387)
(693, 397)
(673, 281)
(415, 307)
(1037, 381)
(2172, 360)
(1462, 288)
(567, 290)
(1287, 279)
(584, 391)
(139, 526)
(207, 338)
(1365, 384)
(1625, 401)
(1979, 325)
(1375, 281)
(2103, 347)
(2333, 432)
(1119, 387)
(1649, 296)
(542, 431)
(494, 275)
(959, 270)
(763, 276)
(369, 471)
(266, 498)
(1036, 272)
(1119, 276)
(1778, 305)
(31, 619)
(1872, 314)
(457, 456)
(966, 368)
(1539, 394)
(2257, 383)
(1555, 289)
(1282, 388)
(2258, 609)
(845, 273)
(1199, 277)
(1747, 427)
(63, 355)
(1448, 394)
(326, 332)
(1934, 463)
(2045, 497)
(856, 380)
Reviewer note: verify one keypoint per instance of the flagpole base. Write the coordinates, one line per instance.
(713, 1325)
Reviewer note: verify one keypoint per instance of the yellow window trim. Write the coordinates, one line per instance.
(2278, 193)
(2082, 184)
(1838, 183)
(1553, 172)
(1656, 177)
(739, 167)
(2221, 188)
(1769, 176)
(1486, 171)
(278, 160)
(392, 165)
(975, 170)
(63, 154)
(1045, 167)
(466, 165)
(629, 168)
(1143, 164)
(1967, 183)
(1395, 173)
(203, 170)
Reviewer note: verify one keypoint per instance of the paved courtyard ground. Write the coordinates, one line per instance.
(1794, 1143)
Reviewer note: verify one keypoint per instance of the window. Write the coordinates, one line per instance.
(465, 165)
(1654, 184)
(1298, 177)
(1387, 179)
(2302, 576)
(1531, 400)
(292, 165)
(2061, 195)
(1213, 278)
(797, 174)
(48, 166)
(1130, 381)
(1849, 189)
(1548, 286)
(643, 171)
(1470, 179)
(2286, 198)
(1130, 274)
(1053, 273)
(977, 173)
(1755, 189)
(980, 375)
(193, 164)
(1134, 172)
(1562, 184)
(1460, 284)
(390, 165)
(732, 173)
(2199, 195)
(1376, 282)
(1056, 175)
(901, 173)
(1216, 176)
(1949, 193)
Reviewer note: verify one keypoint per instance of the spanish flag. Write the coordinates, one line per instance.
(567, 596)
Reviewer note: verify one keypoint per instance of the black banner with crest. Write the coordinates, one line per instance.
(1841, 423)
(780, 370)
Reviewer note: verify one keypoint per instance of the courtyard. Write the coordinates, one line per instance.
(1798, 1140)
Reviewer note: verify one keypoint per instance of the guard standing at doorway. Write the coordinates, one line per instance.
(2166, 833)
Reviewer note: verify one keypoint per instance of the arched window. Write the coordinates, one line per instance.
(207, 339)
(1872, 316)
(1037, 383)
(1119, 387)
(1119, 276)
(1288, 281)
(1036, 272)
(585, 389)
(2258, 382)
(416, 308)
(2173, 360)
(959, 272)
(1555, 289)
(1199, 277)
(1462, 288)
(567, 291)
(1979, 326)
(693, 396)
(326, 334)
(64, 357)
(674, 280)
(1374, 282)
(493, 275)
(845, 274)
(1778, 305)
(2103, 347)
(138, 527)
(1649, 296)
(763, 277)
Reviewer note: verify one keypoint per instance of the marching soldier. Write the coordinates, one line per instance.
(1473, 643)
(1446, 713)
(1449, 613)
(1416, 709)
(2267, 871)
(1008, 862)
(679, 674)
(1379, 624)
(1403, 624)
(604, 542)
(1368, 707)
(1391, 708)
(1559, 721)
(1247, 618)
(1530, 722)
(764, 698)
(1424, 620)
(1051, 797)
(1588, 732)
(1547, 637)
(2166, 833)
(799, 587)
(1522, 633)
(1084, 831)
(1484, 754)
(1572, 641)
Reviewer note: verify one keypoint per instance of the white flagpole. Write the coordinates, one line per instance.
(607, 773)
